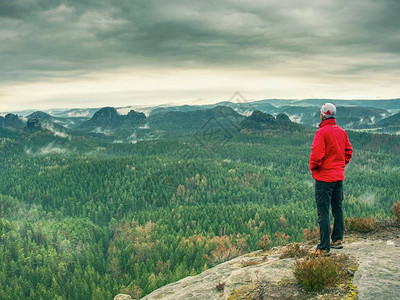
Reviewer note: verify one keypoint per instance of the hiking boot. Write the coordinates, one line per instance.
(337, 245)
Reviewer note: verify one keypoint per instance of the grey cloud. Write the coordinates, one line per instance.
(63, 38)
(24, 9)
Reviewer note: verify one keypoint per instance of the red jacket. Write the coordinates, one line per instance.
(330, 152)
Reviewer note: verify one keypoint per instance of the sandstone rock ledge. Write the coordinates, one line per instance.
(232, 273)
(377, 276)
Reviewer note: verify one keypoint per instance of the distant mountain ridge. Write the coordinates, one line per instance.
(195, 119)
(383, 104)
(393, 120)
(387, 104)
(61, 123)
(351, 114)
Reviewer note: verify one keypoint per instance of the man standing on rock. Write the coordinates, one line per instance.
(330, 152)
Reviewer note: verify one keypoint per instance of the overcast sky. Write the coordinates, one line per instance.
(91, 53)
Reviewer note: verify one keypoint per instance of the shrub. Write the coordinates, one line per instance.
(225, 250)
(265, 242)
(294, 250)
(360, 224)
(396, 212)
(315, 273)
(281, 238)
(133, 290)
(282, 222)
(311, 235)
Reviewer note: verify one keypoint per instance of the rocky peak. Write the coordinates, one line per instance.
(283, 119)
(262, 117)
(11, 118)
(40, 115)
(108, 118)
(33, 124)
(106, 113)
(262, 120)
(11, 121)
(134, 116)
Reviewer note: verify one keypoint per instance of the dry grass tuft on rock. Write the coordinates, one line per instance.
(362, 225)
(281, 238)
(311, 235)
(396, 213)
(251, 262)
(265, 242)
(314, 273)
(294, 250)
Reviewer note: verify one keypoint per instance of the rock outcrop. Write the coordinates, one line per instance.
(377, 276)
(109, 118)
(259, 120)
(122, 297)
(11, 121)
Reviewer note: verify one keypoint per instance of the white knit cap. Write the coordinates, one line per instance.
(328, 110)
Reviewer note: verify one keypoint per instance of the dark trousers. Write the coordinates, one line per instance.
(329, 193)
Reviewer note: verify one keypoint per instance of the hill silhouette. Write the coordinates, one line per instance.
(108, 118)
(259, 120)
(11, 121)
(195, 119)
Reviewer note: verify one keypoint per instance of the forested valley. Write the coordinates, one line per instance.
(88, 216)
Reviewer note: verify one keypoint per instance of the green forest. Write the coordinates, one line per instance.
(86, 217)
